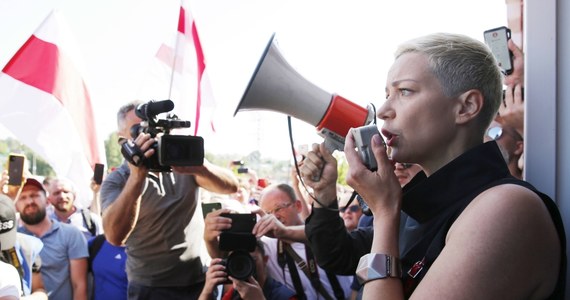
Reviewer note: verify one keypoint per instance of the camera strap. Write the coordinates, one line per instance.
(310, 269)
(283, 259)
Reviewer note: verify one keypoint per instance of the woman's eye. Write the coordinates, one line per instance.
(405, 92)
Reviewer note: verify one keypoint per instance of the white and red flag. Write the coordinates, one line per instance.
(179, 74)
(46, 105)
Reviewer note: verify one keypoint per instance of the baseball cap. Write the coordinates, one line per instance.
(30, 181)
(8, 223)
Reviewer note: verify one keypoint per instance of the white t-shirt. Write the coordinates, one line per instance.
(10, 283)
(282, 274)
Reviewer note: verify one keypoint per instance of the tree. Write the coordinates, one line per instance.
(37, 165)
(342, 167)
(113, 151)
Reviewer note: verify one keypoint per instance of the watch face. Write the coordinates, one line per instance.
(374, 266)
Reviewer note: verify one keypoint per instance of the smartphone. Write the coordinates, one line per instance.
(210, 207)
(497, 39)
(98, 173)
(15, 169)
(238, 163)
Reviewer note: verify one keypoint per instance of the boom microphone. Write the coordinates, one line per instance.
(147, 111)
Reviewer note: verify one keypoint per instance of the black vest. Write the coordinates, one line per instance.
(432, 205)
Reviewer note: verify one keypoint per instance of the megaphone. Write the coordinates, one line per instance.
(276, 86)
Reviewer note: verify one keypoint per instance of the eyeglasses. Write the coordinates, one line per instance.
(495, 132)
(353, 208)
(276, 210)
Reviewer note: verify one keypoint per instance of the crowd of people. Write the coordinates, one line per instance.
(448, 215)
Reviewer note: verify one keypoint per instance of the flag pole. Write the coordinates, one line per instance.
(181, 22)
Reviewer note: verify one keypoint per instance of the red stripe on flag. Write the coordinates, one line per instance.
(182, 21)
(201, 67)
(35, 67)
(40, 64)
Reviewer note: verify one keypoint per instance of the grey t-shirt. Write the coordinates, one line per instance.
(167, 206)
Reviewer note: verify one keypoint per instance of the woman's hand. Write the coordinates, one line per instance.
(380, 189)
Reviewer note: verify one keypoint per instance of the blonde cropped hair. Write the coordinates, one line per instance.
(461, 63)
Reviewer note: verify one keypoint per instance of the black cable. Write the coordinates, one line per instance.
(297, 167)
(363, 205)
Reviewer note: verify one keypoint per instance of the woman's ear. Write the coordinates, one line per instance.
(470, 104)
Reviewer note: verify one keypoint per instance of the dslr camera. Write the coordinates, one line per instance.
(170, 150)
(239, 241)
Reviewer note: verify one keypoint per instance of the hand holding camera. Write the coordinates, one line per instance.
(171, 150)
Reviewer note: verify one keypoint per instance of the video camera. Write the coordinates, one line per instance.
(170, 150)
(240, 242)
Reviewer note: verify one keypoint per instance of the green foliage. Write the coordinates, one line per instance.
(342, 167)
(113, 151)
(36, 164)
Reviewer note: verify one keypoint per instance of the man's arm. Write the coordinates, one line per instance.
(38, 289)
(211, 177)
(78, 277)
(270, 226)
(120, 218)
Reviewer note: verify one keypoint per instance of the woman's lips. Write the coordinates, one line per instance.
(390, 137)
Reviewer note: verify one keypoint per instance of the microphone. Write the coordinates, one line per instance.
(152, 108)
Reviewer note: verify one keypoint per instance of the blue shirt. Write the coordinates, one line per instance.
(76, 219)
(62, 243)
(109, 273)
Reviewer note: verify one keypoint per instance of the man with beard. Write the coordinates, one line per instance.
(62, 197)
(64, 256)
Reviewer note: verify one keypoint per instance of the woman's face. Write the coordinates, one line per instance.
(418, 117)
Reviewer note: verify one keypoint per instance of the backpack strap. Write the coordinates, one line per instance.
(94, 248)
(87, 220)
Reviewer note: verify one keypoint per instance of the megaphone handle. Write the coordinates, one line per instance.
(331, 144)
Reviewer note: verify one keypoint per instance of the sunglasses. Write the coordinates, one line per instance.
(353, 208)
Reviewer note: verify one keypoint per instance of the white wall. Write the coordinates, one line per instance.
(547, 88)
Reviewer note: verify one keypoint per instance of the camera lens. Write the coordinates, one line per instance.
(240, 265)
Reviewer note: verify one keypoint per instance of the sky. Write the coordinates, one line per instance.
(344, 47)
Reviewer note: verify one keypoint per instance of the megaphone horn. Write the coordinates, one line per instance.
(276, 86)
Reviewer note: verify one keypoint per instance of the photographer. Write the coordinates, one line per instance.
(259, 286)
(148, 211)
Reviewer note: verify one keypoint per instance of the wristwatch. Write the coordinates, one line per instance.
(374, 266)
